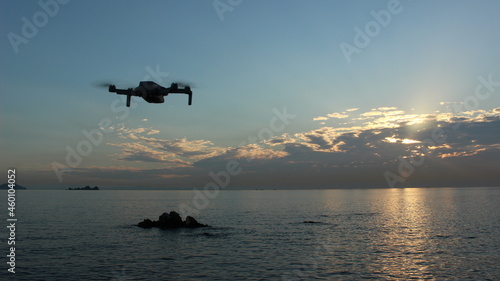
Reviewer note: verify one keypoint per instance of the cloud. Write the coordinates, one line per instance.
(320, 118)
(330, 116)
(452, 148)
(254, 151)
(140, 153)
(129, 133)
(386, 108)
(365, 151)
(337, 115)
(280, 140)
(195, 149)
(379, 143)
(174, 152)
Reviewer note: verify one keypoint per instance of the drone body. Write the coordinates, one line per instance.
(152, 92)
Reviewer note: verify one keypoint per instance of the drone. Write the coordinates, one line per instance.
(152, 92)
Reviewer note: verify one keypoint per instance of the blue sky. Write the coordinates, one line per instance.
(247, 62)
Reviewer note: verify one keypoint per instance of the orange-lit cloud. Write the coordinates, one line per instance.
(355, 150)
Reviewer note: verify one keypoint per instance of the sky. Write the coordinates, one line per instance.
(287, 94)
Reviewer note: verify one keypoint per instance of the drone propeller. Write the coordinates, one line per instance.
(106, 84)
(185, 84)
(102, 84)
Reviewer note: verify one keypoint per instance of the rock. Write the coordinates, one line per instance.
(147, 223)
(191, 222)
(171, 220)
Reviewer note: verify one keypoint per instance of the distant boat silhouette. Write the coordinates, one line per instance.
(84, 188)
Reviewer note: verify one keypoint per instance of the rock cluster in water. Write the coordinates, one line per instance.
(171, 220)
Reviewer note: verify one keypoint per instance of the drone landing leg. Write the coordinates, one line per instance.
(128, 100)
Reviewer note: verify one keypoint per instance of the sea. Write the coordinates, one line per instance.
(338, 234)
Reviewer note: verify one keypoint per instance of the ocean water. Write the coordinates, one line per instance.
(343, 234)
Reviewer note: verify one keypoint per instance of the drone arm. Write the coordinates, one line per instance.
(129, 97)
(186, 90)
(127, 92)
